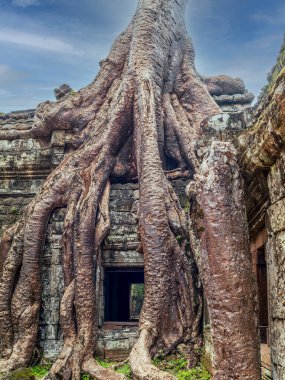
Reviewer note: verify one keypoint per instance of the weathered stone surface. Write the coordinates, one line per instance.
(18, 115)
(52, 283)
(236, 99)
(276, 283)
(22, 120)
(124, 229)
(24, 165)
(51, 348)
(58, 138)
(276, 216)
(276, 266)
(116, 344)
(225, 126)
(121, 218)
(276, 179)
(122, 258)
(277, 348)
(123, 186)
(264, 142)
(223, 84)
(225, 122)
(276, 263)
(62, 90)
(119, 242)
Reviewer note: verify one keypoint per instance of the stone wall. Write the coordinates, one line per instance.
(50, 337)
(24, 165)
(276, 259)
(120, 249)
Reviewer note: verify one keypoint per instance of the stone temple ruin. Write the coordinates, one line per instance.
(25, 164)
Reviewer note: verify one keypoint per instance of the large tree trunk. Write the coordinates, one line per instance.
(147, 102)
(219, 236)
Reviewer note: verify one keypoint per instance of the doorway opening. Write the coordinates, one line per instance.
(123, 294)
(261, 271)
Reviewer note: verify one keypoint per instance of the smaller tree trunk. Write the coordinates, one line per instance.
(220, 240)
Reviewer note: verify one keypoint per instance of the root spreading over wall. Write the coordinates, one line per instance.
(146, 104)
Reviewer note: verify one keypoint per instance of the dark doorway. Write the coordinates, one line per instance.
(262, 292)
(123, 289)
(170, 163)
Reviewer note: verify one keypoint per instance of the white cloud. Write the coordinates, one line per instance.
(24, 3)
(4, 69)
(6, 94)
(9, 77)
(37, 41)
(276, 18)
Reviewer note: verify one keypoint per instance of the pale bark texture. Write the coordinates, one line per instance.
(147, 102)
(218, 233)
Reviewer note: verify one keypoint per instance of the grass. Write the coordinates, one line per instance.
(125, 369)
(176, 365)
(85, 377)
(39, 371)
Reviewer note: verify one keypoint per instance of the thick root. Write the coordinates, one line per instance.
(92, 368)
(125, 102)
(6, 366)
(61, 368)
(75, 112)
(64, 368)
(140, 359)
(11, 257)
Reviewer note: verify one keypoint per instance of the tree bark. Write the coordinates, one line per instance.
(219, 237)
(147, 102)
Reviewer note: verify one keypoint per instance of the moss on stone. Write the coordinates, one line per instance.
(19, 374)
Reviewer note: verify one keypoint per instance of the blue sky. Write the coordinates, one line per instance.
(44, 43)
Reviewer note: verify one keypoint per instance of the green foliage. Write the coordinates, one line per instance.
(73, 92)
(40, 370)
(19, 374)
(136, 300)
(125, 369)
(104, 363)
(177, 366)
(14, 210)
(187, 207)
(85, 377)
(198, 373)
(179, 238)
